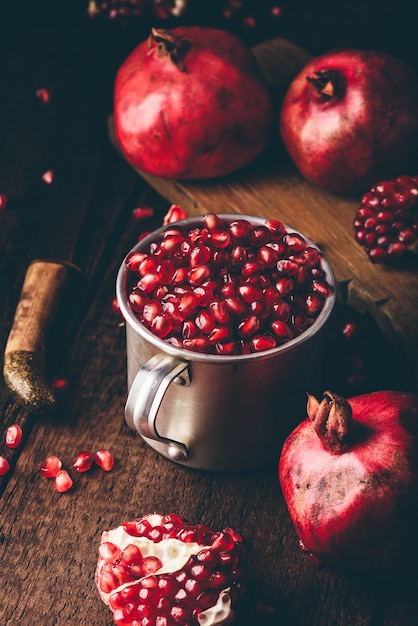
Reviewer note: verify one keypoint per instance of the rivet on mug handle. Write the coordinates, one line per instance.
(145, 397)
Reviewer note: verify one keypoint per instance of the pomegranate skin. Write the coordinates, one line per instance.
(203, 117)
(361, 127)
(355, 507)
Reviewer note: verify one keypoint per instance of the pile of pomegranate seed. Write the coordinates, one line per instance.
(163, 570)
(227, 286)
(386, 222)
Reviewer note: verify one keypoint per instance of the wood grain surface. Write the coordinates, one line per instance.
(49, 541)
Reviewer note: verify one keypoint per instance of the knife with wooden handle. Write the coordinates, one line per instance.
(65, 205)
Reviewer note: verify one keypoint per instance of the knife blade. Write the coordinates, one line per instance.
(65, 203)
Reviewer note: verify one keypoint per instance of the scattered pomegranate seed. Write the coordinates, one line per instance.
(48, 177)
(4, 466)
(60, 384)
(63, 481)
(83, 461)
(142, 213)
(44, 95)
(3, 201)
(51, 467)
(174, 214)
(115, 306)
(14, 436)
(104, 459)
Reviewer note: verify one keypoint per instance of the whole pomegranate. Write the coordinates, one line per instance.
(191, 103)
(349, 478)
(350, 119)
(160, 569)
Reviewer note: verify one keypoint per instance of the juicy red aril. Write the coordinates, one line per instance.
(4, 466)
(104, 459)
(218, 288)
(14, 436)
(83, 461)
(174, 214)
(142, 213)
(3, 201)
(51, 467)
(63, 481)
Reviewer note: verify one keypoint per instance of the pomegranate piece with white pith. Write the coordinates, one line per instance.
(160, 569)
(386, 222)
(227, 286)
(349, 477)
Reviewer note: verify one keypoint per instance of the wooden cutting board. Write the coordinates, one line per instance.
(271, 187)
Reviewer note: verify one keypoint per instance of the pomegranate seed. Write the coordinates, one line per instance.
(4, 466)
(48, 177)
(259, 236)
(205, 321)
(104, 459)
(44, 95)
(212, 221)
(199, 255)
(276, 228)
(134, 259)
(63, 481)
(3, 201)
(161, 325)
(249, 293)
(282, 330)
(150, 565)
(14, 436)
(140, 214)
(260, 343)
(198, 275)
(249, 326)
(197, 344)
(220, 238)
(220, 334)
(227, 348)
(51, 467)
(83, 461)
(241, 230)
(174, 214)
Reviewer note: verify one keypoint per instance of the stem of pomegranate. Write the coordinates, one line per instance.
(332, 420)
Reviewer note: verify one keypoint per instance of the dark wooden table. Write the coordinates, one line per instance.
(48, 540)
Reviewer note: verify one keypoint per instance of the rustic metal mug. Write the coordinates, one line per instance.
(214, 412)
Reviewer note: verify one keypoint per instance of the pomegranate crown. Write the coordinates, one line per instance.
(332, 419)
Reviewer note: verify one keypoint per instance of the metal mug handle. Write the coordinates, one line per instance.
(145, 397)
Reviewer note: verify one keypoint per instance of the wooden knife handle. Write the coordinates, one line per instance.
(24, 358)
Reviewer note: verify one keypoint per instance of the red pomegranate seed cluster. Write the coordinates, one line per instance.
(386, 222)
(227, 287)
(130, 583)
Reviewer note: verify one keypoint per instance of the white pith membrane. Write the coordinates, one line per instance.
(174, 555)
